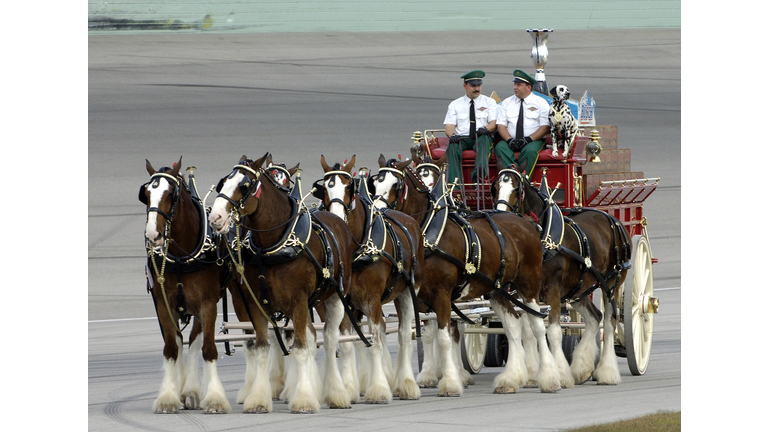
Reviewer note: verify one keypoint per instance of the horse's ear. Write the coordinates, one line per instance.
(348, 167)
(176, 168)
(269, 159)
(150, 170)
(260, 161)
(402, 165)
(324, 164)
(293, 170)
(382, 160)
(442, 160)
(523, 165)
(243, 158)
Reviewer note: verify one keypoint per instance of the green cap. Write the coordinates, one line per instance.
(523, 77)
(474, 77)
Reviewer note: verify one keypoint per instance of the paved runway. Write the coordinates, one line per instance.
(214, 97)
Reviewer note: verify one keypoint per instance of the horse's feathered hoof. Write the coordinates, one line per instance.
(167, 409)
(504, 390)
(216, 409)
(303, 411)
(449, 394)
(257, 410)
(531, 384)
(192, 402)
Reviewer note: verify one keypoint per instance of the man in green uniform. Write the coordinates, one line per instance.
(469, 124)
(523, 122)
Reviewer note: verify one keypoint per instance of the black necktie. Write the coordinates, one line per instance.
(519, 133)
(472, 127)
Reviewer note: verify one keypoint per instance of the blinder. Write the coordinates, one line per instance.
(143, 194)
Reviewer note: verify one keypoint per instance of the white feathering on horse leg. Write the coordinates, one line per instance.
(250, 371)
(259, 398)
(427, 378)
(405, 383)
(586, 352)
(168, 401)
(349, 370)
(334, 393)
(215, 400)
(607, 370)
(191, 389)
(303, 399)
(531, 347)
(450, 383)
(555, 338)
(378, 390)
(514, 374)
(549, 376)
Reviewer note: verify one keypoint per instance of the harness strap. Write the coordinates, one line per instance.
(345, 300)
(412, 277)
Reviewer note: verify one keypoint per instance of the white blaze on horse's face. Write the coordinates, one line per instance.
(427, 176)
(219, 216)
(157, 189)
(385, 184)
(336, 190)
(505, 190)
(280, 177)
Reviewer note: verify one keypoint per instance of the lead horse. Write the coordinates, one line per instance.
(469, 255)
(387, 267)
(291, 261)
(186, 279)
(586, 250)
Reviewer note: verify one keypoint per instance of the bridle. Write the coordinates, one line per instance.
(332, 182)
(247, 186)
(505, 175)
(176, 197)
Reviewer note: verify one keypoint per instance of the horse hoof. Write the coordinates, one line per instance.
(339, 407)
(192, 402)
(303, 411)
(449, 394)
(169, 409)
(215, 410)
(531, 384)
(257, 410)
(504, 390)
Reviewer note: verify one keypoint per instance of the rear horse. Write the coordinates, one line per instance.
(186, 279)
(584, 251)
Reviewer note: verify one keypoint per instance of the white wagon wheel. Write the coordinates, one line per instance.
(639, 306)
(473, 346)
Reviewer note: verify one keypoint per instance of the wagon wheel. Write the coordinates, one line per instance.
(639, 306)
(497, 350)
(473, 348)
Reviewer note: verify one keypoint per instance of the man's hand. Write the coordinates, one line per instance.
(454, 139)
(517, 144)
(483, 131)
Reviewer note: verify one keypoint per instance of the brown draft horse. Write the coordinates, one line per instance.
(281, 176)
(570, 276)
(185, 282)
(457, 266)
(297, 260)
(388, 267)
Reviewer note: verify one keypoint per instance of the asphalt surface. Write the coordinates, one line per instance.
(214, 97)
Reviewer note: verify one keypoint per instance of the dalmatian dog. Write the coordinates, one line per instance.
(562, 123)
